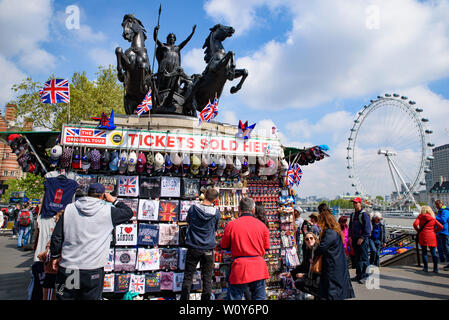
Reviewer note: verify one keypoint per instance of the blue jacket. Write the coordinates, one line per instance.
(360, 226)
(443, 217)
(203, 223)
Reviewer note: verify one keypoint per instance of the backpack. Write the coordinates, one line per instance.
(25, 219)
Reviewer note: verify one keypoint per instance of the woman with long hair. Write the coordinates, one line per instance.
(425, 224)
(335, 283)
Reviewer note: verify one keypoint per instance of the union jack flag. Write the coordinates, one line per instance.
(146, 105)
(209, 112)
(73, 132)
(168, 211)
(128, 186)
(99, 133)
(55, 91)
(297, 172)
(294, 175)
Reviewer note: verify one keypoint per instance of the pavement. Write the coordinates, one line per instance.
(392, 283)
(15, 268)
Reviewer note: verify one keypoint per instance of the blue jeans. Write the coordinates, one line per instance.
(443, 247)
(375, 247)
(15, 229)
(434, 257)
(361, 257)
(257, 289)
(24, 232)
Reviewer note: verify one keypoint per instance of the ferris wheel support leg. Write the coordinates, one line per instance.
(392, 175)
(405, 185)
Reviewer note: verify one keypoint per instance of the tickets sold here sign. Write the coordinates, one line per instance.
(167, 142)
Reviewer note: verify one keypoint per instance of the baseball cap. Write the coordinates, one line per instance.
(85, 161)
(168, 163)
(55, 154)
(186, 162)
(76, 161)
(95, 159)
(176, 159)
(158, 161)
(113, 165)
(195, 164)
(105, 158)
(212, 165)
(229, 165)
(96, 187)
(150, 162)
(141, 161)
(123, 162)
(132, 161)
(357, 199)
(65, 157)
(245, 167)
(221, 166)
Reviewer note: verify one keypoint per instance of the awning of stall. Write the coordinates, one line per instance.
(314, 153)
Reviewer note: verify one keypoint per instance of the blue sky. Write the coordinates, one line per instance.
(313, 64)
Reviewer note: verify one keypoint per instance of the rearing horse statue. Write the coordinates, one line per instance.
(133, 66)
(220, 68)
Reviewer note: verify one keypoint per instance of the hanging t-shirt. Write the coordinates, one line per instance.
(58, 194)
(122, 282)
(125, 259)
(147, 259)
(128, 186)
(133, 204)
(110, 184)
(148, 210)
(137, 283)
(178, 278)
(184, 208)
(126, 235)
(150, 187)
(108, 285)
(168, 234)
(153, 282)
(190, 188)
(167, 281)
(110, 264)
(84, 181)
(168, 259)
(168, 210)
(148, 234)
(46, 227)
(182, 254)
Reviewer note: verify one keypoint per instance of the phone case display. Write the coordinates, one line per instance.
(190, 188)
(168, 259)
(150, 187)
(125, 259)
(108, 285)
(148, 259)
(83, 184)
(126, 235)
(166, 280)
(137, 283)
(184, 208)
(168, 210)
(110, 184)
(133, 204)
(110, 264)
(128, 186)
(148, 210)
(170, 187)
(121, 282)
(168, 234)
(153, 282)
(148, 234)
(178, 278)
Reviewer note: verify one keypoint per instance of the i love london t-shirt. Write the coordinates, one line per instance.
(59, 193)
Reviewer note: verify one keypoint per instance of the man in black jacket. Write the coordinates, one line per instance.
(203, 222)
(80, 243)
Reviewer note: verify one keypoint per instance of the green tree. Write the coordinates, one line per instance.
(32, 185)
(87, 99)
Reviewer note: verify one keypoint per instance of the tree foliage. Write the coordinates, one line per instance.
(87, 99)
(32, 185)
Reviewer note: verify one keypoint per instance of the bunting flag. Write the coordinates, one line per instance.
(146, 105)
(209, 112)
(294, 175)
(55, 91)
(244, 130)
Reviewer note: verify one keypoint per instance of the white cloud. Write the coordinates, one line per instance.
(10, 75)
(103, 57)
(230, 117)
(193, 61)
(331, 54)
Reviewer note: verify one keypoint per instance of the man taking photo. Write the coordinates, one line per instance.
(80, 243)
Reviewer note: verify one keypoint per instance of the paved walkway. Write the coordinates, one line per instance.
(395, 283)
(15, 266)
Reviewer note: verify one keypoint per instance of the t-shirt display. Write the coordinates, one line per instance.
(125, 259)
(108, 285)
(133, 204)
(128, 186)
(126, 235)
(122, 282)
(148, 210)
(84, 181)
(190, 188)
(168, 259)
(147, 259)
(170, 187)
(178, 278)
(168, 210)
(59, 193)
(168, 234)
(153, 282)
(110, 184)
(137, 283)
(166, 280)
(148, 234)
(110, 264)
(150, 187)
(182, 258)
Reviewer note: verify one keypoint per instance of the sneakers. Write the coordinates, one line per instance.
(355, 279)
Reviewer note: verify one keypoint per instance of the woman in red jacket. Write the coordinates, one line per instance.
(425, 225)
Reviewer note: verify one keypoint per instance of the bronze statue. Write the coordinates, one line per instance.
(220, 67)
(133, 66)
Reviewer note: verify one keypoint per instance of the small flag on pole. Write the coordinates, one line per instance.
(55, 91)
(209, 112)
(146, 105)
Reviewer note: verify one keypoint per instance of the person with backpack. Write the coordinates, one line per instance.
(360, 231)
(24, 223)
